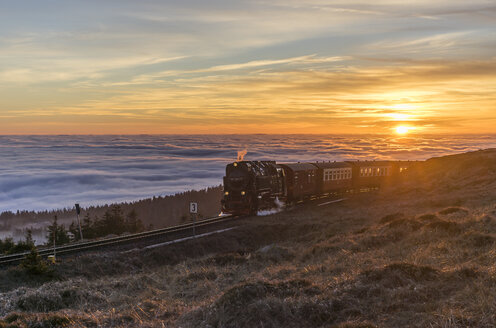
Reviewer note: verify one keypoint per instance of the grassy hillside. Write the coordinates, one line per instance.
(418, 254)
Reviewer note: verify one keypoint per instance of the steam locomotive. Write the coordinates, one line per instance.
(250, 186)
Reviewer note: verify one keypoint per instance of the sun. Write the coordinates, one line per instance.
(402, 129)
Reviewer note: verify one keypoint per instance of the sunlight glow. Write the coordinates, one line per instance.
(400, 117)
(403, 129)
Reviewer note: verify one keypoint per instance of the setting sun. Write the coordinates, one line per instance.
(402, 129)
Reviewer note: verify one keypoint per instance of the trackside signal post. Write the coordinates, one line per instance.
(78, 211)
(193, 210)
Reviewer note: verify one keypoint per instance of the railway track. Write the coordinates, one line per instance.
(179, 231)
(120, 240)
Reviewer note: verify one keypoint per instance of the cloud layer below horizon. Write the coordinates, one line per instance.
(247, 66)
(50, 172)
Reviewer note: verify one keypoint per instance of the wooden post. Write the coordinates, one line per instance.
(54, 244)
(78, 211)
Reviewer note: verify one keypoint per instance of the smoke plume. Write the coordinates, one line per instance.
(241, 154)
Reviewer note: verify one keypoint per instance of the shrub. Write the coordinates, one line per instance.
(34, 264)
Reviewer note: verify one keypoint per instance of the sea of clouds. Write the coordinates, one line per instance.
(50, 172)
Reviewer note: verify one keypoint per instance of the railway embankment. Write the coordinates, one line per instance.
(417, 254)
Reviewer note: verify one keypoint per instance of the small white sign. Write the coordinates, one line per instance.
(193, 207)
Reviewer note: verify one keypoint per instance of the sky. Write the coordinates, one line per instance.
(227, 66)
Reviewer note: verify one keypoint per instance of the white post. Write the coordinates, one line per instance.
(193, 210)
(194, 223)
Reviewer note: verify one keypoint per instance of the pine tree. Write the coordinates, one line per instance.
(73, 228)
(133, 223)
(88, 227)
(6, 246)
(29, 238)
(57, 231)
(34, 264)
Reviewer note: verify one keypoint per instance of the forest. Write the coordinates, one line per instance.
(156, 212)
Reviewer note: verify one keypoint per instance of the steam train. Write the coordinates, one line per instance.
(250, 186)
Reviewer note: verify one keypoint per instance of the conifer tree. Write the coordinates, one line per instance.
(58, 232)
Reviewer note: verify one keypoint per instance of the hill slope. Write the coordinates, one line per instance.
(418, 254)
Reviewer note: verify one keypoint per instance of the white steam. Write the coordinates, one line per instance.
(279, 207)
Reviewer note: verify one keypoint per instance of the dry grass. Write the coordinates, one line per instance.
(415, 255)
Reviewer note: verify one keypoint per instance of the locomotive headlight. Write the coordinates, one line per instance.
(226, 193)
(243, 193)
(235, 164)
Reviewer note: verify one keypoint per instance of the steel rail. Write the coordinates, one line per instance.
(77, 247)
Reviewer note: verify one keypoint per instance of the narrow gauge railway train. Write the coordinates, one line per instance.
(250, 186)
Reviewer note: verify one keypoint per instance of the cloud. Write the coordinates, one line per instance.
(46, 172)
(155, 66)
(426, 90)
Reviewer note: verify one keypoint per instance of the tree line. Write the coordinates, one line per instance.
(160, 211)
(113, 221)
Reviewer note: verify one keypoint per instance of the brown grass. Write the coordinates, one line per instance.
(408, 256)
